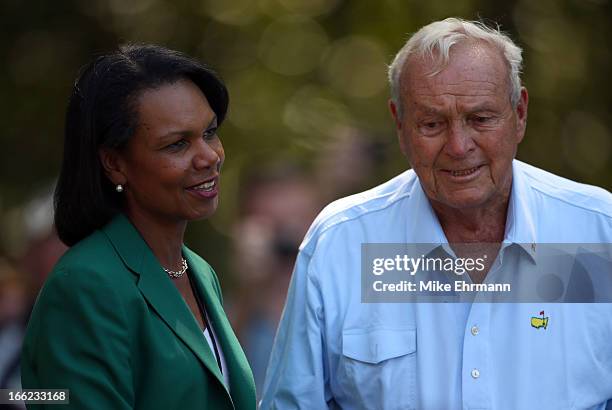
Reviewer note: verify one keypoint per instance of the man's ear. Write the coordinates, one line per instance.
(395, 114)
(113, 165)
(521, 114)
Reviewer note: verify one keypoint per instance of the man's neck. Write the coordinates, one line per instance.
(475, 232)
(482, 224)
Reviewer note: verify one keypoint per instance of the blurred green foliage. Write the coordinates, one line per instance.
(299, 72)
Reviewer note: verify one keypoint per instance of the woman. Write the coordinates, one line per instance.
(130, 318)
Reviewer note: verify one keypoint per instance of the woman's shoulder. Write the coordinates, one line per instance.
(90, 251)
(93, 259)
(93, 246)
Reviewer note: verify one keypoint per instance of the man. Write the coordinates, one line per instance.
(460, 112)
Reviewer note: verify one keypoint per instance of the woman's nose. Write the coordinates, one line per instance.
(206, 156)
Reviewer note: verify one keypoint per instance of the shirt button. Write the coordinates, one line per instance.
(475, 373)
(475, 330)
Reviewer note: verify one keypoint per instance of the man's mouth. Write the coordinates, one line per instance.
(464, 172)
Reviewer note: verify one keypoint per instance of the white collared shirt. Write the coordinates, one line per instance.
(333, 351)
(208, 337)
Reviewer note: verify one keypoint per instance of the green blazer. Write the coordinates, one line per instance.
(110, 326)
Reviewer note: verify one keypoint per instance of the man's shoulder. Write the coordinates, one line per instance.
(354, 207)
(564, 192)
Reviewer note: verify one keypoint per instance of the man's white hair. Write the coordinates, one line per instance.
(435, 41)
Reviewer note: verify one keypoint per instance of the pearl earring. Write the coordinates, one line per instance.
(119, 188)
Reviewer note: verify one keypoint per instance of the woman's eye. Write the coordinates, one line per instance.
(210, 133)
(177, 145)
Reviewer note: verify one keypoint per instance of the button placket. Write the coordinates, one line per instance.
(475, 386)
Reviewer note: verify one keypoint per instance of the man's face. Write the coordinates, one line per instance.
(458, 129)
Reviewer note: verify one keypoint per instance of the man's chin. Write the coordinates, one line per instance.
(466, 199)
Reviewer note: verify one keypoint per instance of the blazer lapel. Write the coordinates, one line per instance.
(242, 386)
(159, 291)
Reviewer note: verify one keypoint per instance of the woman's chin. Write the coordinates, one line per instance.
(205, 213)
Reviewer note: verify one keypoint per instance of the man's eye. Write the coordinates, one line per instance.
(430, 127)
(482, 119)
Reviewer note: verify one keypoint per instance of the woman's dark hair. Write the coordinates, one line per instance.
(103, 112)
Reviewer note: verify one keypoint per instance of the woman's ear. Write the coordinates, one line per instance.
(113, 165)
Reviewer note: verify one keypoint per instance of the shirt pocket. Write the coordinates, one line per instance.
(378, 368)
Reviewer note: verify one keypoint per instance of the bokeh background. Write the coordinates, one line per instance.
(308, 120)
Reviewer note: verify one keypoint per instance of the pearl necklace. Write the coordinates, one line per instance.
(177, 274)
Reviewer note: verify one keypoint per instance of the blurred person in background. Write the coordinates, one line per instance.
(42, 247)
(348, 162)
(37, 249)
(15, 304)
(277, 206)
(460, 112)
(130, 318)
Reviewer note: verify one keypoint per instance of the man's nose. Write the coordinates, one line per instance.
(459, 140)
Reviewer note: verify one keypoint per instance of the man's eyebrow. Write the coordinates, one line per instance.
(482, 107)
(425, 109)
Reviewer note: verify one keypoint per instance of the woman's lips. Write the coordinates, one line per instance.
(208, 189)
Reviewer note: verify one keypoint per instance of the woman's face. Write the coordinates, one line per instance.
(170, 167)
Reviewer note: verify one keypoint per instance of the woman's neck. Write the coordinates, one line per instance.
(164, 237)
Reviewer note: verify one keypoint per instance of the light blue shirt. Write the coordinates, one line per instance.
(333, 351)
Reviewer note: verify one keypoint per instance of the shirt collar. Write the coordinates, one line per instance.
(424, 226)
(520, 225)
